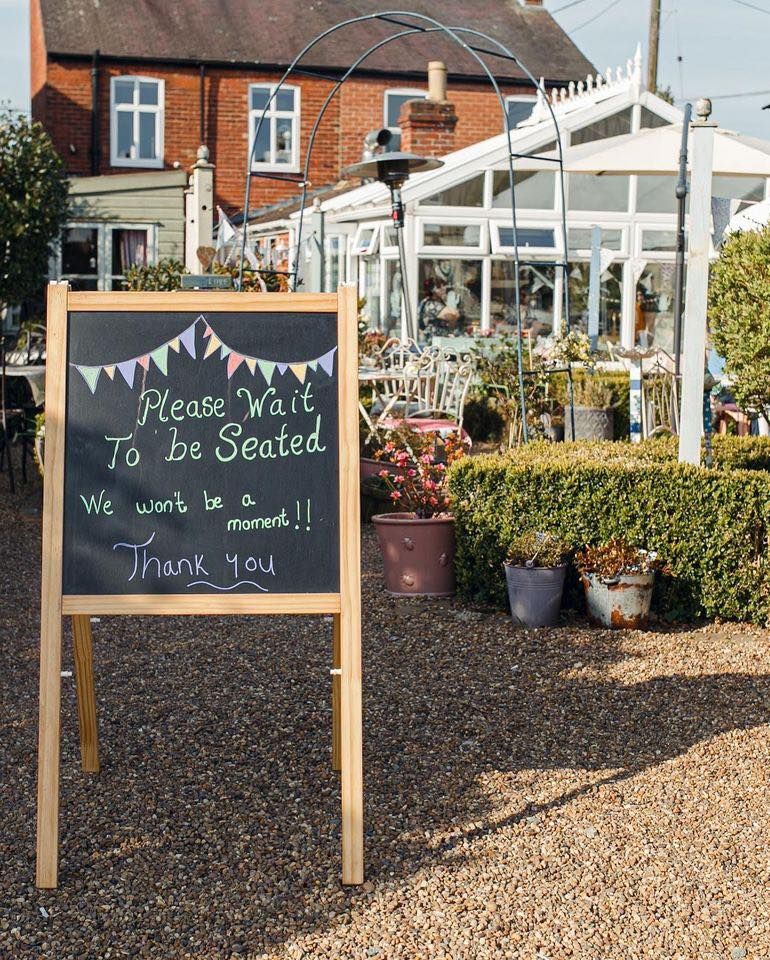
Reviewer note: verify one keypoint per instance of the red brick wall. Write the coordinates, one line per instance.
(62, 100)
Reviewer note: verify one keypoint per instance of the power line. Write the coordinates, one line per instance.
(735, 96)
(566, 6)
(752, 6)
(595, 16)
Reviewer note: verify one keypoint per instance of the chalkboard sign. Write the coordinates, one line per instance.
(201, 458)
(201, 453)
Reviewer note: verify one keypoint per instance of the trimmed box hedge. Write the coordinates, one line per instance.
(710, 526)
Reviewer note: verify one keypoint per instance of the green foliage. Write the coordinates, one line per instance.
(739, 315)
(616, 558)
(534, 549)
(33, 206)
(603, 388)
(163, 275)
(710, 527)
(482, 419)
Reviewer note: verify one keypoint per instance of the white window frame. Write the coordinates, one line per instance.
(271, 116)
(498, 247)
(414, 93)
(135, 108)
(519, 98)
(664, 255)
(373, 245)
(437, 250)
(104, 230)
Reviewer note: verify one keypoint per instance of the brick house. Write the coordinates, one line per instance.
(129, 92)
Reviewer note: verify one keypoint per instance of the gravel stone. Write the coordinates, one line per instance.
(491, 753)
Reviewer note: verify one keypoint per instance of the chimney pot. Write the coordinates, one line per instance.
(437, 81)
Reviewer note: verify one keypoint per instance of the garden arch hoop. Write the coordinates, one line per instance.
(423, 25)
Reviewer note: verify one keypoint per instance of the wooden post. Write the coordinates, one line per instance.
(351, 759)
(696, 303)
(86, 694)
(51, 602)
(336, 693)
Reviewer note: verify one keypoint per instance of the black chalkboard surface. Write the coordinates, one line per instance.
(201, 453)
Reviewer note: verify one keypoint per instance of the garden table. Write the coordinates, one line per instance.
(389, 387)
(35, 376)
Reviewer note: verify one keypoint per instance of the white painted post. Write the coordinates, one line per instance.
(199, 226)
(595, 286)
(694, 339)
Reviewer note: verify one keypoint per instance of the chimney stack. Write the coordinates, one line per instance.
(437, 81)
(533, 3)
(428, 126)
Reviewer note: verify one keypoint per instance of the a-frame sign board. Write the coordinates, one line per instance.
(201, 458)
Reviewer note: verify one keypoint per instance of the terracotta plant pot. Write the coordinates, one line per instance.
(534, 594)
(620, 603)
(418, 554)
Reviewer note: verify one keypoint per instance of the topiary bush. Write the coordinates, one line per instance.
(709, 526)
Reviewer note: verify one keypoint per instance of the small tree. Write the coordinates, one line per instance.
(739, 315)
(33, 206)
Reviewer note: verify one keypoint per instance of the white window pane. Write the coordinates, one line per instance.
(519, 110)
(534, 189)
(536, 287)
(469, 193)
(262, 147)
(284, 100)
(451, 235)
(79, 250)
(283, 140)
(614, 126)
(129, 249)
(451, 296)
(659, 241)
(148, 94)
(259, 97)
(610, 306)
(125, 145)
(588, 192)
(580, 239)
(147, 140)
(656, 194)
(393, 104)
(124, 91)
(654, 309)
(526, 237)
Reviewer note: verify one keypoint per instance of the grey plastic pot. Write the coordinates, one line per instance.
(534, 594)
(620, 603)
(591, 423)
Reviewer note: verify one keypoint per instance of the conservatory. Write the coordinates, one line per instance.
(458, 230)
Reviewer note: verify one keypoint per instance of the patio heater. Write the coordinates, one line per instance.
(393, 169)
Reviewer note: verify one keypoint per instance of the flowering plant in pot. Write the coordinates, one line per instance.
(594, 413)
(535, 568)
(618, 579)
(418, 541)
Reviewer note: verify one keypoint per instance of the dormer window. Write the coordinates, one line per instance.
(136, 122)
(519, 109)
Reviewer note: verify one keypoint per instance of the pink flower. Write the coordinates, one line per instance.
(383, 473)
(395, 495)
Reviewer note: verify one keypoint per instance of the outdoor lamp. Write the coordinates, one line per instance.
(393, 169)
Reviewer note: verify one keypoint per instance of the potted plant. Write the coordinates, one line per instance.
(594, 414)
(534, 571)
(418, 541)
(618, 580)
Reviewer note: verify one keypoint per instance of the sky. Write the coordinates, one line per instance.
(722, 43)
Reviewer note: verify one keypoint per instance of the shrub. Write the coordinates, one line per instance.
(163, 275)
(710, 527)
(611, 388)
(739, 315)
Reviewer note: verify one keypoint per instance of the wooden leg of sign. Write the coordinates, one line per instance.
(48, 751)
(336, 694)
(351, 760)
(86, 693)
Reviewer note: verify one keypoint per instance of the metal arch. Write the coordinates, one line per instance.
(452, 33)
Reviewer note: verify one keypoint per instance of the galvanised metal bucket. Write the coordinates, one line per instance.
(622, 603)
(534, 594)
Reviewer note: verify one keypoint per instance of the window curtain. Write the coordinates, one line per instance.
(133, 249)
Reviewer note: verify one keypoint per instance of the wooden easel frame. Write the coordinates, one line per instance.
(345, 606)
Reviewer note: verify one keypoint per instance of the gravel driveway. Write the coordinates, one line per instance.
(544, 794)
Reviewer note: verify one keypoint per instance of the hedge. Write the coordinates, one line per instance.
(710, 526)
